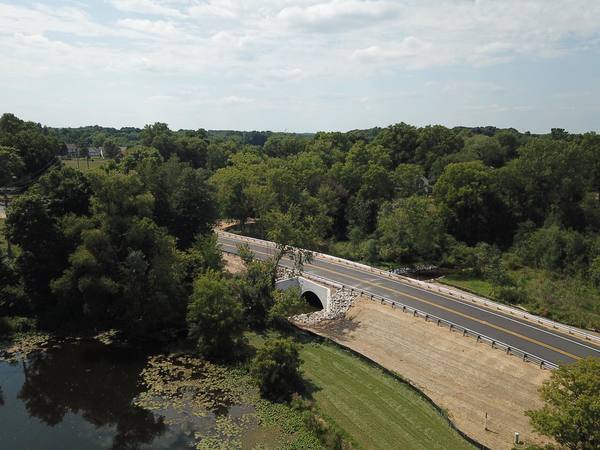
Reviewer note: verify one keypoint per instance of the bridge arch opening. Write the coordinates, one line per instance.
(313, 300)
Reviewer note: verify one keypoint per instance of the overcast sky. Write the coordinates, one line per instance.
(302, 65)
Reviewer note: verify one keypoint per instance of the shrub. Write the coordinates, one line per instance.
(277, 369)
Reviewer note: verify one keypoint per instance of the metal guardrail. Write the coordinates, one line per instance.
(495, 344)
(489, 304)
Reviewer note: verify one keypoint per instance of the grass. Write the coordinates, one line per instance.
(85, 165)
(372, 408)
(469, 284)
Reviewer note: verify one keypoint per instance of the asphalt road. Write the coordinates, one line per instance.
(534, 339)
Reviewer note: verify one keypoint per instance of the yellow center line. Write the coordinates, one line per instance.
(453, 311)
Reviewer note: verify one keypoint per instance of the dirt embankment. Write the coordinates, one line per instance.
(465, 378)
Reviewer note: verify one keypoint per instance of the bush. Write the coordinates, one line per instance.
(214, 317)
(276, 367)
(11, 325)
(571, 412)
(553, 248)
(512, 295)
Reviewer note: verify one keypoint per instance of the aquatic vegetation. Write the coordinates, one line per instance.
(220, 404)
(23, 345)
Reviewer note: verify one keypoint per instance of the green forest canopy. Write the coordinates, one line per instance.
(517, 210)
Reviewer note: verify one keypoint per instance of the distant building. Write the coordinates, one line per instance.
(95, 152)
(72, 150)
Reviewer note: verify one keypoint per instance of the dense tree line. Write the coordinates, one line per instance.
(455, 198)
(398, 196)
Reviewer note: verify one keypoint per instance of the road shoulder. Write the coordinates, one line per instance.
(465, 378)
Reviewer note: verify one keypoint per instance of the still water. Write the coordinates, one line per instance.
(80, 395)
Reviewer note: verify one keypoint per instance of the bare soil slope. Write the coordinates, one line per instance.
(465, 378)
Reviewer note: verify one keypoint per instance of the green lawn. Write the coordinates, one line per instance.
(84, 165)
(372, 408)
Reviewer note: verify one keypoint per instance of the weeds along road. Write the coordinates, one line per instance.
(536, 340)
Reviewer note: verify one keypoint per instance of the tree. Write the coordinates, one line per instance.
(255, 289)
(410, 230)
(280, 145)
(192, 149)
(36, 146)
(11, 166)
(31, 225)
(286, 304)
(126, 271)
(550, 177)
(232, 185)
(571, 414)
(401, 139)
(214, 316)
(67, 191)
(111, 150)
(160, 137)
(409, 180)
(184, 201)
(277, 369)
(470, 204)
(135, 155)
(10, 292)
(434, 142)
(487, 149)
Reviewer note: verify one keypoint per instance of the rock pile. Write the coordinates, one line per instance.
(339, 304)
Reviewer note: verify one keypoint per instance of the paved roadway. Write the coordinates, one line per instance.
(534, 339)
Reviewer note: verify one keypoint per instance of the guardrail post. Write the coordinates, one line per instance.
(493, 344)
(438, 322)
(541, 364)
(451, 326)
(415, 313)
(426, 317)
(524, 356)
(508, 350)
(403, 308)
(464, 332)
(478, 338)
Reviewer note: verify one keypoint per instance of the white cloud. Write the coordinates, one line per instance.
(235, 100)
(339, 15)
(151, 7)
(150, 27)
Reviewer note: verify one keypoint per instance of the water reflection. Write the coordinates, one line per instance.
(90, 381)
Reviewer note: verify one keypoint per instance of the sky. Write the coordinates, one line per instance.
(302, 65)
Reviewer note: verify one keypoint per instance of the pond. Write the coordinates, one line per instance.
(82, 394)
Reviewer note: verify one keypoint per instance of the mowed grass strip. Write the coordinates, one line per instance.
(373, 408)
(84, 165)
